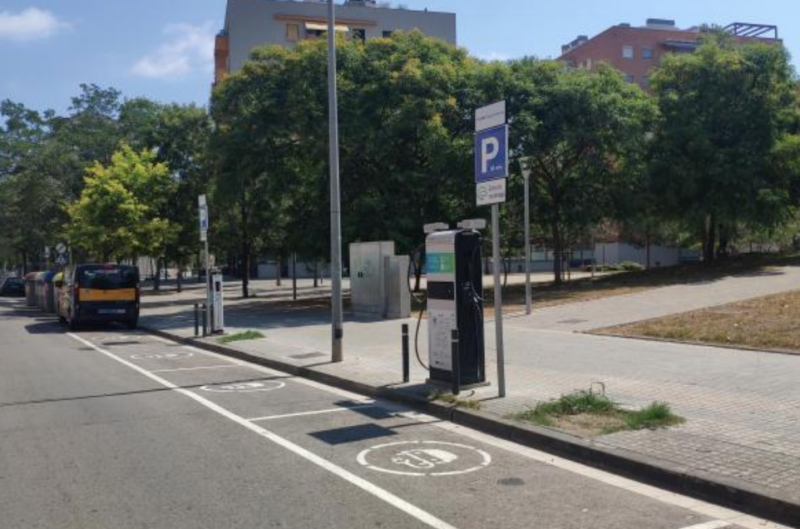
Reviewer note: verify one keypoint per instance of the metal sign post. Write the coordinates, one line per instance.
(337, 317)
(526, 175)
(491, 172)
(203, 213)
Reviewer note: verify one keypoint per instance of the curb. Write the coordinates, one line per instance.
(660, 473)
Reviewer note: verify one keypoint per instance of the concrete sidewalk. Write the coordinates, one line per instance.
(659, 302)
(742, 407)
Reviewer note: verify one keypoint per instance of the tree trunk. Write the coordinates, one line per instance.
(246, 270)
(157, 278)
(180, 279)
(710, 240)
(316, 273)
(279, 271)
(294, 276)
(722, 248)
(555, 230)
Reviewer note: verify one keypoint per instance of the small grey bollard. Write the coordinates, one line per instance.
(456, 361)
(406, 369)
(196, 319)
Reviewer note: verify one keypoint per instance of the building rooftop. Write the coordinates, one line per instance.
(742, 30)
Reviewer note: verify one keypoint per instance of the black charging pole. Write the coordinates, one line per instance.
(456, 364)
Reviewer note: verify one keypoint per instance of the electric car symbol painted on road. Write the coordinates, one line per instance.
(423, 459)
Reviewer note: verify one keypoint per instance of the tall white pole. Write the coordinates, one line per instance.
(526, 174)
(498, 301)
(337, 327)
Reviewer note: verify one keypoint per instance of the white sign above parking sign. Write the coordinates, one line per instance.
(490, 116)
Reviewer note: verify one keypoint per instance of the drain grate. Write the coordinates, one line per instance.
(308, 356)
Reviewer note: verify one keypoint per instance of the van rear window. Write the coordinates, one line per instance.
(108, 278)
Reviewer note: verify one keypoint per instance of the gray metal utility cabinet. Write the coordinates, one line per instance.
(378, 281)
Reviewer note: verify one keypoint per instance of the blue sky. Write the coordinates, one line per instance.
(162, 49)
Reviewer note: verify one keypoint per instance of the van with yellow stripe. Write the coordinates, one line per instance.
(92, 293)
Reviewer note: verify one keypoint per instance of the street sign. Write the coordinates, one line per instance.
(203, 210)
(491, 154)
(491, 171)
(61, 247)
(490, 116)
(491, 192)
(61, 260)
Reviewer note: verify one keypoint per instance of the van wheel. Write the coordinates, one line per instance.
(61, 319)
(73, 324)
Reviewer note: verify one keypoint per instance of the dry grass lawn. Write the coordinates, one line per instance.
(771, 322)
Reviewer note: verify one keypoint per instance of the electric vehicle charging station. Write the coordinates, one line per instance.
(217, 299)
(455, 302)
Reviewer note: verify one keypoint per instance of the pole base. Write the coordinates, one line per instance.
(449, 385)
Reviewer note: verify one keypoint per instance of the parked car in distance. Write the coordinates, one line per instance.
(93, 293)
(12, 286)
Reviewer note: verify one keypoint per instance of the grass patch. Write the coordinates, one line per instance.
(449, 398)
(657, 415)
(588, 414)
(240, 337)
(771, 322)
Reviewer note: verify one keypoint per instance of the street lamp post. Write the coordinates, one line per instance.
(526, 175)
(337, 327)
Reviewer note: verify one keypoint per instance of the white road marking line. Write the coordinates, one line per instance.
(710, 525)
(193, 368)
(317, 412)
(380, 493)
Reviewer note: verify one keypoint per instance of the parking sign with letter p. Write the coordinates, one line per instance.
(491, 154)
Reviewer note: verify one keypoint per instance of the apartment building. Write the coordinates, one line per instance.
(252, 23)
(636, 50)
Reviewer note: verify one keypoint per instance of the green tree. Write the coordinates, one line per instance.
(584, 135)
(117, 214)
(725, 112)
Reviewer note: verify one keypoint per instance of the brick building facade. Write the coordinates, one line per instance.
(636, 50)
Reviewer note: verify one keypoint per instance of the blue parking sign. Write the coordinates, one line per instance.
(491, 154)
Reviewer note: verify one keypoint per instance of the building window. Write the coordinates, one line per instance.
(292, 32)
(647, 53)
(388, 34)
(627, 52)
(630, 77)
(359, 34)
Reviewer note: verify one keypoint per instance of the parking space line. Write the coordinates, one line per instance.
(317, 412)
(718, 524)
(193, 368)
(367, 486)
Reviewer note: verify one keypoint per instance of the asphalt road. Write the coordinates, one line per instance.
(108, 428)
